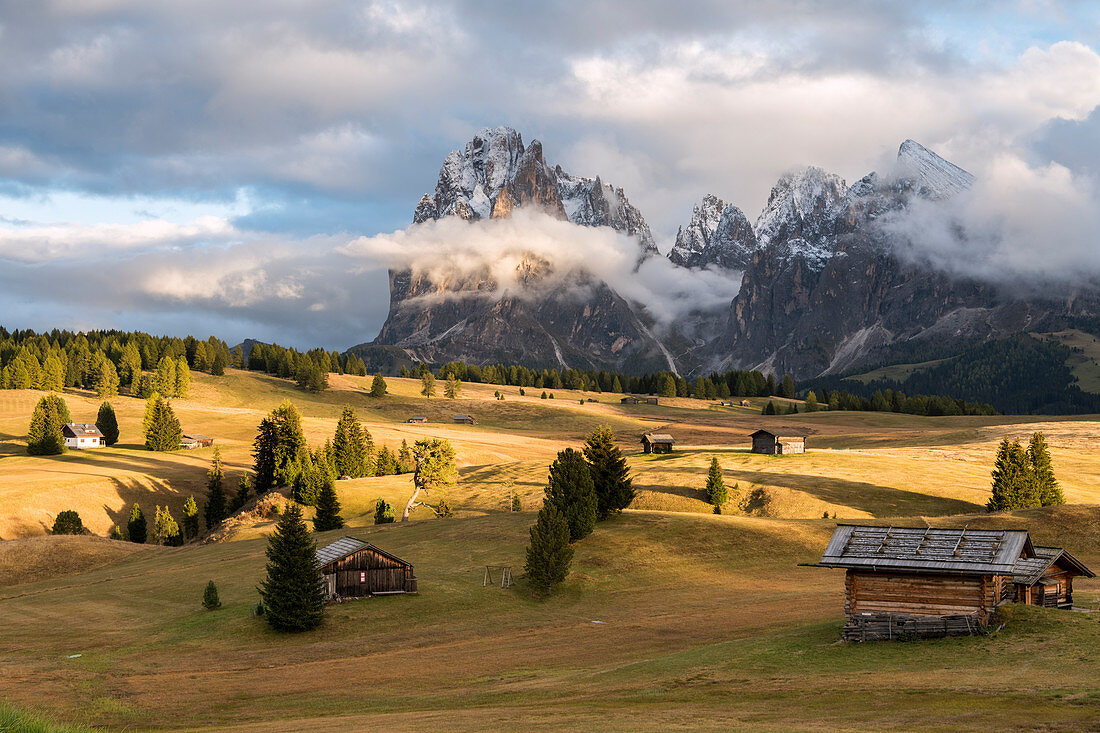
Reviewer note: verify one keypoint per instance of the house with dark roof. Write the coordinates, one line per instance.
(82, 435)
(657, 443)
(903, 581)
(192, 441)
(465, 419)
(353, 568)
(778, 442)
(417, 419)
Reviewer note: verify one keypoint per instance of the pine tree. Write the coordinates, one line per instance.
(427, 384)
(68, 522)
(240, 498)
(215, 510)
(106, 380)
(549, 554)
(668, 386)
(328, 508)
(217, 366)
(210, 600)
(164, 381)
(279, 448)
(570, 489)
(1043, 469)
(453, 388)
(190, 518)
(614, 489)
(293, 592)
(786, 388)
(383, 512)
(1014, 484)
(164, 431)
(716, 491)
(165, 529)
(769, 409)
(405, 462)
(811, 401)
(378, 386)
(107, 423)
(44, 436)
(183, 378)
(135, 528)
(349, 447)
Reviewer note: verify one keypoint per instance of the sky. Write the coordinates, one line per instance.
(207, 167)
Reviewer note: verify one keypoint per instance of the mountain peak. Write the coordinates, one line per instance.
(718, 234)
(932, 176)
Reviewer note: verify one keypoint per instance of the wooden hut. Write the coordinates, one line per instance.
(778, 443)
(355, 569)
(465, 419)
(902, 582)
(417, 419)
(745, 403)
(629, 401)
(196, 440)
(651, 400)
(657, 443)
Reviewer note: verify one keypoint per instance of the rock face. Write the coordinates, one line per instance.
(537, 324)
(718, 236)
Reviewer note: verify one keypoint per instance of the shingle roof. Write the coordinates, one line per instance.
(957, 551)
(83, 430)
(784, 433)
(197, 436)
(658, 438)
(339, 549)
(1028, 570)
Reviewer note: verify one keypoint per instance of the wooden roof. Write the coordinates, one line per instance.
(196, 436)
(345, 546)
(658, 438)
(1028, 570)
(784, 433)
(929, 550)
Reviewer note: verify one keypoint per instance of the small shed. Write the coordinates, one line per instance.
(651, 400)
(417, 419)
(592, 399)
(353, 568)
(198, 439)
(745, 403)
(657, 443)
(465, 419)
(629, 401)
(902, 581)
(82, 435)
(725, 403)
(775, 443)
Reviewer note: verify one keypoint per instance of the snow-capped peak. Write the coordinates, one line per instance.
(929, 174)
(717, 235)
(799, 213)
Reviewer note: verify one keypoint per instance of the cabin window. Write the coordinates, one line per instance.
(362, 576)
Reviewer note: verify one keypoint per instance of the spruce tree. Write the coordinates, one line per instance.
(190, 518)
(107, 423)
(427, 384)
(279, 448)
(1043, 469)
(549, 554)
(668, 386)
(165, 529)
(136, 529)
(606, 463)
(164, 431)
(106, 380)
(244, 491)
(293, 592)
(308, 482)
(1014, 484)
(210, 600)
(349, 447)
(328, 508)
(44, 436)
(215, 510)
(68, 522)
(716, 491)
(378, 386)
(570, 489)
(383, 512)
(786, 388)
(217, 367)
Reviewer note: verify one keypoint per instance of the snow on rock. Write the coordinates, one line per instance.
(928, 174)
(800, 214)
(718, 234)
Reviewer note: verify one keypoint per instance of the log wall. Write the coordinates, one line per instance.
(368, 572)
(919, 594)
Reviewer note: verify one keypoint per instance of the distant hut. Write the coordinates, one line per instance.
(629, 401)
(355, 569)
(417, 419)
(657, 443)
(651, 400)
(196, 440)
(942, 582)
(775, 443)
(465, 419)
(745, 403)
(82, 435)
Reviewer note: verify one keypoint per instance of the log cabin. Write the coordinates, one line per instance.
(465, 419)
(778, 443)
(356, 569)
(657, 443)
(901, 581)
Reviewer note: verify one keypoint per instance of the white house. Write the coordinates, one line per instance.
(82, 435)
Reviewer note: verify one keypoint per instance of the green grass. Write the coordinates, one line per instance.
(13, 720)
(895, 372)
(1085, 361)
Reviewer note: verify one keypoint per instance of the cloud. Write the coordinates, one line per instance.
(1030, 226)
(451, 251)
(40, 243)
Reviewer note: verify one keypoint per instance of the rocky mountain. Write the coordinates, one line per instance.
(717, 236)
(824, 287)
(536, 323)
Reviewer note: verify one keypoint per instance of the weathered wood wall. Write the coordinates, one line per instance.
(919, 594)
(366, 572)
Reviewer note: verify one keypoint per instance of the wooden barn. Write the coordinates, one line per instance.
(652, 400)
(196, 440)
(904, 582)
(417, 419)
(355, 569)
(465, 419)
(778, 443)
(745, 403)
(657, 443)
(629, 401)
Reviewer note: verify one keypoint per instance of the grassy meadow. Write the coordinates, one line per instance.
(672, 618)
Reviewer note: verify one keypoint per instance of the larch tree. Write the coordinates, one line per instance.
(107, 423)
(190, 519)
(183, 378)
(435, 471)
(453, 388)
(164, 381)
(668, 386)
(548, 555)
(53, 374)
(383, 511)
(165, 529)
(569, 488)
(215, 510)
(163, 433)
(44, 435)
(427, 384)
(106, 380)
(716, 491)
(610, 478)
(293, 592)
